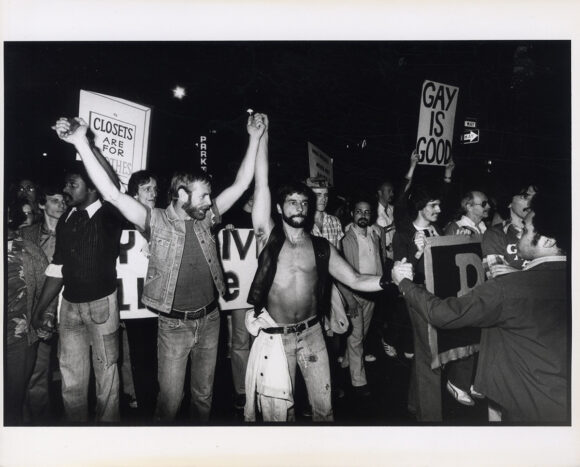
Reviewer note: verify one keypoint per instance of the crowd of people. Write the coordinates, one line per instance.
(320, 280)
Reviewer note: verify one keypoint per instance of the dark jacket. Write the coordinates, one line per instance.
(524, 352)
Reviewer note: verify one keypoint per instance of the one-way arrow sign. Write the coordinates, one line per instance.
(471, 136)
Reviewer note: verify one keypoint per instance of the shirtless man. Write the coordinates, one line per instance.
(292, 282)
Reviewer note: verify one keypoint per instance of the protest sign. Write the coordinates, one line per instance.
(131, 271)
(239, 254)
(320, 164)
(121, 130)
(436, 120)
(453, 266)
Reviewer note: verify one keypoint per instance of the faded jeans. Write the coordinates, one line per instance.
(178, 340)
(240, 349)
(308, 349)
(85, 326)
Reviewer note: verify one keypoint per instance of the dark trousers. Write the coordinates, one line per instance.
(19, 363)
(425, 383)
(396, 324)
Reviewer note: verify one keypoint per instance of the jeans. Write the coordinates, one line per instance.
(354, 342)
(177, 341)
(18, 366)
(308, 349)
(37, 403)
(240, 349)
(85, 326)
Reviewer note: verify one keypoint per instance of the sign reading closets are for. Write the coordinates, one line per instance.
(436, 121)
(121, 130)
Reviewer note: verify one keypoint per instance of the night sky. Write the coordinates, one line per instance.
(336, 95)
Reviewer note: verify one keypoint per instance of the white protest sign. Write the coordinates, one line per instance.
(320, 164)
(436, 120)
(239, 254)
(131, 271)
(121, 130)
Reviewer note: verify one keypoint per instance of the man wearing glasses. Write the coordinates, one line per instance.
(475, 208)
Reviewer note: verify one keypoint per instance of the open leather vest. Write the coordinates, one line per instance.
(268, 262)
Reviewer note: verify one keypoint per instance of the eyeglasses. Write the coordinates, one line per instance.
(483, 204)
(27, 188)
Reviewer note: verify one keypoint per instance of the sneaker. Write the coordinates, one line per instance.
(390, 351)
(459, 395)
(476, 394)
(370, 358)
(362, 391)
(133, 403)
(409, 356)
(307, 411)
(240, 401)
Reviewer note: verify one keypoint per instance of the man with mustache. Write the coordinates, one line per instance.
(290, 296)
(524, 362)
(85, 256)
(184, 275)
(362, 251)
(409, 242)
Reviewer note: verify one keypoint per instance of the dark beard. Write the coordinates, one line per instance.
(293, 221)
(362, 223)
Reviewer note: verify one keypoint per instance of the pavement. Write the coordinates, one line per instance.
(388, 381)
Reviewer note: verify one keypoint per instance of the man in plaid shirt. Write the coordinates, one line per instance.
(330, 228)
(325, 225)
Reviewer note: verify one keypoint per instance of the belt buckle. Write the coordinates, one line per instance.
(300, 327)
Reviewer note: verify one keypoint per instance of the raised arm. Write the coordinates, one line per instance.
(261, 211)
(409, 175)
(344, 272)
(231, 194)
(133, 211)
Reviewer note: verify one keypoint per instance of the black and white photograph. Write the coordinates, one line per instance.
(288, 237)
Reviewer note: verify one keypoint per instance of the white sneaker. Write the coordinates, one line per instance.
(390, 351)
(459, 394)
(409, 355)
(476, 394)
(370, 358)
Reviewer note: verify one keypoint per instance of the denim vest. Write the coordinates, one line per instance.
(167, 239)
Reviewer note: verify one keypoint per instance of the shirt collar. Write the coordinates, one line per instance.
(91, 209)
(467, 222)
(543, 259)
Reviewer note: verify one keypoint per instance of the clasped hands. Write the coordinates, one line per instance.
(402, 270)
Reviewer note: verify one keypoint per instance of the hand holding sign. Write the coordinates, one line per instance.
(419, 240)
(71, 130)
(402, 270)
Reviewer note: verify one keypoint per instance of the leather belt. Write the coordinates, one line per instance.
(292, 328)
(191, 315)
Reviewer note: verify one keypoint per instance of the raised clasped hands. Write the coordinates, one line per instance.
(257, 124)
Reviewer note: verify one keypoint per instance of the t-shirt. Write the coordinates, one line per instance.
(195, 287)
(502, 239)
